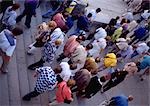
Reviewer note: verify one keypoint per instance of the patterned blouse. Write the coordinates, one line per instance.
(46, 79)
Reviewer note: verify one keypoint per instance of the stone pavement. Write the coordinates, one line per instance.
(20, 81)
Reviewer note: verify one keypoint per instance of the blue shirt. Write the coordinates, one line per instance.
(83, 23)
(140, 32)
(145, 62)
(120, 100)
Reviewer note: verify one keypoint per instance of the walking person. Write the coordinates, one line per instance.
(9, 17)
(29, 11)
(46, 81)
(8, 45)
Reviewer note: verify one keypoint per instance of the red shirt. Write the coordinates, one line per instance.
(63, 92)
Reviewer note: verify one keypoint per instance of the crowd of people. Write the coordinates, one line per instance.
(124, 40)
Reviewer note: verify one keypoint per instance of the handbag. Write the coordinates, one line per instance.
(65, 99)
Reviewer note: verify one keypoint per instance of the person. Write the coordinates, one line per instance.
(48, 54)
(117, 34)
(7, 45)
(29, 11)
(132, 25)
(125, 50)
(9, 18)
(100, 33)
(145, 15)
(64, 70)
(128, 15)
(131, 68)
(116, 78)
(46, 81)
(45, 32)
(4, 4)
(120, 100)
(60, 21)
(93, 12)
(139, 34)
(91, 65)
(70, 46)
(82, 78)
(63, 93)
(140, 49)
(98, 47)
(94, 86)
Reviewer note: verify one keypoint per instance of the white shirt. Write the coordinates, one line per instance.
(93, 12)
(98, 45)
(57, 34)
(5, 45)
(128, 15)
(132, 25)
(101, 33)
(66, 72)
(142, 48)
(146, 14)
(10, 17)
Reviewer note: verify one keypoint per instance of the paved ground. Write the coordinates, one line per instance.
(20, 81)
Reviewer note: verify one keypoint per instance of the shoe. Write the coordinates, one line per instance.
(26, 98)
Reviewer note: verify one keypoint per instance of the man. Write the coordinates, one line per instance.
(29, 11)
(8, 45)
(100, 33)
(10, 15)
(120, 100)
(94, 13)
(48, 54)
(70, 46)
(46, 80)
(116, 78)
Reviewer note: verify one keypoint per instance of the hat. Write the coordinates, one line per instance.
(52, 24)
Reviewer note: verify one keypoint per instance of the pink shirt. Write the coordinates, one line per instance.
(59, 19)
(63, 92)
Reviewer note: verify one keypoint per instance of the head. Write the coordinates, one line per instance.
(97, 60)
(102, 79)
(148, 43)
(71, 82)
(73, 66)
(58, 69)
(17, 31)
(98, 10)
(89, 15)
(128, 21)
(80, 38)
(130, 98)
(117, 18)
(15, 6)
(123, 21)
(52, 24)
(89, 46)
(58, 42)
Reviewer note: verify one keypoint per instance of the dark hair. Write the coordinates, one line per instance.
(89, 46)
(138, 21)
(118, 55)
(58, 70)
(73, 66)
(148, 43)
(123, 21)
(80, 37)
(15, 6)
(128, 21)
(117, 17)
(17, 31)
(98, 10)
(102, 79)
(89, 15)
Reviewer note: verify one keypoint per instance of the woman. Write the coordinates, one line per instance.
(63, 93)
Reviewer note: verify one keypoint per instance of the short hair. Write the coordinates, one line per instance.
(58, 70)
(80, 37)
(73, 66)
(130, 98)
(102, 79)
(15, 6)
(148, 43)
(117, 17)
(89, 15)
(123, 21)
(71, 82)
(118, 55)
(17, 31)
(97, 60)
(98, 10)
(89, 46)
